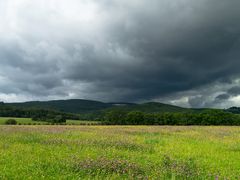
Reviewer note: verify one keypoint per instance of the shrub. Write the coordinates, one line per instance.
(11, 122)
(59, 119)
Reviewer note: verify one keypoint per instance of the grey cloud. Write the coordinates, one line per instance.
(223, 97)
(181, 52)
(234, 91)
(123, 50)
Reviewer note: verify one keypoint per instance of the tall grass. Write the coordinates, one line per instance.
(119, 152)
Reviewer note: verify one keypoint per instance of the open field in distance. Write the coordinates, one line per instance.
(119, 152)
(29, 121)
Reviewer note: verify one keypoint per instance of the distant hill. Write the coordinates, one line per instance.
(96, 110)
(82, 106)
(120, 113)
(70, 106)
(234, 110)
(150, 107)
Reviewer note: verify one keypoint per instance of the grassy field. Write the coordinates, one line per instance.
(28, 121)
(119, 152)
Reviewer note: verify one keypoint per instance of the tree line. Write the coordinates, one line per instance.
(37, 114)
(121, 117)
(209, 117)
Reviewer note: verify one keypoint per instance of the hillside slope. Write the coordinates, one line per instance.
(71, 106)
(81, 106)
(150, 107)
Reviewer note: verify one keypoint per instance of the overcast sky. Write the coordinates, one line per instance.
(182, 52)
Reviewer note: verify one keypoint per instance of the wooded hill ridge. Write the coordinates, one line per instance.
(79, 106)
(120, 112)
(82, 106)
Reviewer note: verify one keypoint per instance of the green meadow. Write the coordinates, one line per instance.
(29, 121)
(119, 152)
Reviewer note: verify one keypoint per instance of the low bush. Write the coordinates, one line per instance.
(11, 122)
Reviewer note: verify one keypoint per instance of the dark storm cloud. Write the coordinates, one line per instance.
(223, 97)
(122, 50)
(234, 91)
(176, 47)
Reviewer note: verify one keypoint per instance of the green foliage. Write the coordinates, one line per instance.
(59, 119)
(207, 117)
(35, 113)
(135, 118)
(11, 122)
(51, 118)
(117, 116)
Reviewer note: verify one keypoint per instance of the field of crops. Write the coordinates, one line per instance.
(119, 152)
